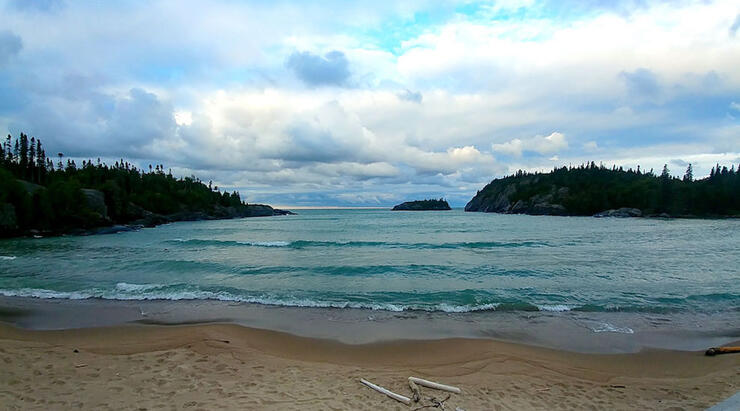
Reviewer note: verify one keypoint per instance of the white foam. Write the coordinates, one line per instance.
(47, 294)
(558, 308)
(609, 328)
(267, 243)
(7, 257)
(465, 308)
(136, 287)
(140, 292)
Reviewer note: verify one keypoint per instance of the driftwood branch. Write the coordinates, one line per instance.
(397, 397)
(415, 390)
(722, 350)
(434, 385)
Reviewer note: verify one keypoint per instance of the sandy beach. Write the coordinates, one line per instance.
(226, 366)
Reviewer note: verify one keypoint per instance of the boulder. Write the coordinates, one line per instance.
(96, 201)
(258, 210)
(30, 187)
(277, 211)
(547, 209)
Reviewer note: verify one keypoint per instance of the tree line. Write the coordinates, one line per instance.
(593, 188)
(37, 193)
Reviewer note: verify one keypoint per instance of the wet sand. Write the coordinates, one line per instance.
(227, 366)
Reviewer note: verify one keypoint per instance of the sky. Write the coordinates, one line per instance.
(370, 103)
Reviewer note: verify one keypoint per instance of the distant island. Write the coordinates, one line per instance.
(591, 190)
(38, 197)
(423, 205)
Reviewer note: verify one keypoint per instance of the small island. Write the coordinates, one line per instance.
(423, 205)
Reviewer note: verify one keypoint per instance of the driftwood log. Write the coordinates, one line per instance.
(434, 385)
(415, 389)
(722, 350)
(397, 397)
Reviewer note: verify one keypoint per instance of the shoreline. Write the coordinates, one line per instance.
(152, 221)
(574, 331)
(227, 365)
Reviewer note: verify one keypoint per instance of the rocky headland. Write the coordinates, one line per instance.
(591, 190)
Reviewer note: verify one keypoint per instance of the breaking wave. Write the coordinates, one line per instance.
(299, 244)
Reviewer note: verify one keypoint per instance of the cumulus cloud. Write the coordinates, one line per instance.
(412, 96)
(36, 5)
(537, 144)
(10, 45)
(642, 82)
(316, 70)
(237, 92)
(735, 26)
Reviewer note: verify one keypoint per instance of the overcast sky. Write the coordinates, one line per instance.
(374, 102)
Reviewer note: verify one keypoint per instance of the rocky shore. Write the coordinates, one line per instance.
(140, 218)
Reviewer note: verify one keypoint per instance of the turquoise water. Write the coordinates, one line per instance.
(397, 261)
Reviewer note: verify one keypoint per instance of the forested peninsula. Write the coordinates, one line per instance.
(41, 197)
(591, 189)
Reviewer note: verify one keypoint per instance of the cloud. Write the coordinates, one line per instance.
(412, 96)
(735, 106)
(641, 82)
(10, 45)
(537, 144)
(244, 94)
(315, 70)
(37, 5)
(735, 26)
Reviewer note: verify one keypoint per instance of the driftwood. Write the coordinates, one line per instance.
(435, 403)
(397, 397)
(415, 390)
(434, 385)
(722, 350)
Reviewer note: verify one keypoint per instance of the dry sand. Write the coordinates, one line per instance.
(224, 366)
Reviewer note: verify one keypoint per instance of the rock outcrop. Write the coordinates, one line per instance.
(96, 202)
(512, 198)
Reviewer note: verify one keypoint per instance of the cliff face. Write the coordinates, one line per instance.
(423, 205)
(517, 197)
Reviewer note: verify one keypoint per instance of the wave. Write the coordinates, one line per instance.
(604, 327)
(7, 257)
(557, 308)
(127, 287)
(127, 292)
(399, 301)
(299, 244)
(227, 243)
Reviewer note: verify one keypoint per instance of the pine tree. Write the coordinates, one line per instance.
(41, 161)
(665, 173)
(8, 150)
(689, 176)
(24, 156)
